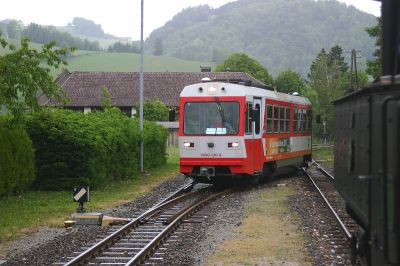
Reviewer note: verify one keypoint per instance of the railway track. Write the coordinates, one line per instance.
(140, 239)
(342, 230)
(318, 147)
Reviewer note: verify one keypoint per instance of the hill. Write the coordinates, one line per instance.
(280, 34)
(88, 29)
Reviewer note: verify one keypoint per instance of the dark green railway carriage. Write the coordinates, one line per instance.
(367, 151)
(367, 167)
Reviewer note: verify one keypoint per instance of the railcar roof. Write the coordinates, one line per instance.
(221, 89)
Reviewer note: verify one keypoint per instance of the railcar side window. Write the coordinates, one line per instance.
(257, 118)
(309, 120)
(276, 119)
(295, 118)
(248, 128)
(269, 118)
(299, 120)
(282, 119)
(287, 119)
(304, 120)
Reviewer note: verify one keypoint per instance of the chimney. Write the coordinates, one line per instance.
(205, 69)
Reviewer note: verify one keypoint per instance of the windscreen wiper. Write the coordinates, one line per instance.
(221, 112)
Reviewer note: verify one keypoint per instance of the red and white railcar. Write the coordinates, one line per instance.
(235, 130)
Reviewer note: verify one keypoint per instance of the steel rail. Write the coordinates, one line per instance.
(150, 247)
(109, 240)
(343, 227)
(322, 170)
(321, 147)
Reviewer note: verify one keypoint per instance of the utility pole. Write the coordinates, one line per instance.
(141, 92)
(353, 67)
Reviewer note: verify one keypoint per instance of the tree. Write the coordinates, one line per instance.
(13, 29)
(120, 47)
(106, 98)
(158, 47)
(25, 72)
(289, 81)
(241, 62)
(326, 80)
(374, 66)
(336, 57)
(154, 110)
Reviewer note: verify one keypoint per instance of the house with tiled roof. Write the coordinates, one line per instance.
(85, 89)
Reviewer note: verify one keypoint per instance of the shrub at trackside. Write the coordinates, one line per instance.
(17, 168)
(90, 149)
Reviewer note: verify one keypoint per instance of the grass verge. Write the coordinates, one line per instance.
(34, 209)
(325, 156)
(268, 235)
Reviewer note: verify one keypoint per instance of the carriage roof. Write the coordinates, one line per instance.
(222, 89)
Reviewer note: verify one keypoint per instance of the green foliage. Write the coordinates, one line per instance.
(94, 149)
(326, 79)
(374, 66)
(154, 110)
(329, 79)
(289, 81)
(336, 57)
(279, 34)
(45, 34)
(106, 99)
(158, 47)
(120, 47)
(241, 62)
(17, 168)
(13, 29)
(24, 72)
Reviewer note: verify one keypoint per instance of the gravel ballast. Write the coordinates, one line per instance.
(197, 241)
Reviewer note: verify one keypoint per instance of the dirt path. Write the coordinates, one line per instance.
(269, 234)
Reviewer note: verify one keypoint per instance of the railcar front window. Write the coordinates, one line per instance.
(211, 118)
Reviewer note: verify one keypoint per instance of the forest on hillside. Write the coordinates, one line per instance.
(279, 34)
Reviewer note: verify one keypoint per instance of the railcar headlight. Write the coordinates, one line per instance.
(188, 144)
(233, 144)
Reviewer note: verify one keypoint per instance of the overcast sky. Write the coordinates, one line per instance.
(120, 17)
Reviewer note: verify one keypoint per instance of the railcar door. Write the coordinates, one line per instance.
(257, 134)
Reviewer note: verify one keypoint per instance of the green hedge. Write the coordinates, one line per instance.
(93, 149)
(17, 168)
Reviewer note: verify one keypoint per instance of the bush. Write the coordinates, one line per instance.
(93, 149)
(153, 110)
(17, 169)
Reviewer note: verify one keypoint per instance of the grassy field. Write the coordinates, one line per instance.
(126, 62)
(25, 213)
(102, 61)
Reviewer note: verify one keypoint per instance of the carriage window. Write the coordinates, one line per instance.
(295, 118)
(287, 119)
(282, 119)
(276, 119)
(269, 118)
(248, 128)
(211, 118)
(299, 120)
(304, 121)
(309, 120)
(257, 117)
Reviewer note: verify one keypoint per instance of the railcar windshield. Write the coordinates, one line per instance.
(211, 118)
